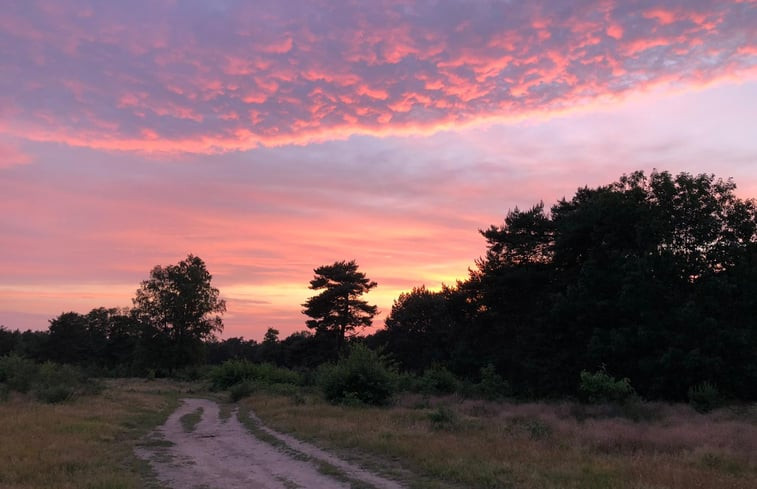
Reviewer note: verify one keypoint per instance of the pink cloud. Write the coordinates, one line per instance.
(139, 74)
(661, 15)
(12, 156)
(82, 228)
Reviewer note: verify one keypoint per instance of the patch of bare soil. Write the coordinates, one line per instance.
(223, 454)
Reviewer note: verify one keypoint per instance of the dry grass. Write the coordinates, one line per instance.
(86, 443)
(488, 445)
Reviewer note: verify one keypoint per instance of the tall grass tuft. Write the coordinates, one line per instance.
(704, 397)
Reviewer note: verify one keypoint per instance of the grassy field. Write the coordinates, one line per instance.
(84, 443)
(427, 442)
(477, 444)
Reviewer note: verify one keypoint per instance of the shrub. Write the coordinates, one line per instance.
(407, 382)
(191, 373)
(271, 374)
(492, 386)
(54, 393)
(444, 418)
(233, 372)
(704, 397)
(17, 373)
(58, 383)
(438, 380)
(599, 387)
(361, 377)
(49, 382)
(230, 372)
(241, 390)
(4, 392)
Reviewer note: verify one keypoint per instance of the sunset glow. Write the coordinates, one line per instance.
(270, 138)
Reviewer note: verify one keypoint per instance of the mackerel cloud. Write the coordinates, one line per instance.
(224, 75)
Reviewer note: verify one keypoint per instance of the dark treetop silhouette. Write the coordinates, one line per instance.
(180, 307)
(338, 309)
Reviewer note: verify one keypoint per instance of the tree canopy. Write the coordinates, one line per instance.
(180, 309)
(338, 309)
(651, 276)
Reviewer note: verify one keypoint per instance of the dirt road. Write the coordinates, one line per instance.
(223, 454)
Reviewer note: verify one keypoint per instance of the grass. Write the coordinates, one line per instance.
(323, 466)
(84, 443)
(479, 444)
(190, 420)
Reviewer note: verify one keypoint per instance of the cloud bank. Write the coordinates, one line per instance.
(212, 77)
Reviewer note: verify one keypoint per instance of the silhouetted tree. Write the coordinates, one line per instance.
(179, 309)
(231, 348)
(420, 329)
(270, 349)
(8, 340)
(69, 339)
(303, 349)
(654, 277)
(34, 345)
(338, 309)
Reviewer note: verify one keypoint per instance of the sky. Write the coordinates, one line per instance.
(272, 137)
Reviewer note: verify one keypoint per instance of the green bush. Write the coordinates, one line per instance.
(191, 373)
(599, 387)
(49, 382)
(704, 397)
(271, 374)
(492, 386)
(233, 372)
(17, 373)
(444, 418)
(241, 390)
(58, 383)
(361, 377)
(407, 382)
(54, 393)
(438, 380)
(4, 392)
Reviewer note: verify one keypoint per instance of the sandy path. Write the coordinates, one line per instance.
(222, 454)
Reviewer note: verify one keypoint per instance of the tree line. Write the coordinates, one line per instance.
(176, 318)
(175, 312)
(650, 278)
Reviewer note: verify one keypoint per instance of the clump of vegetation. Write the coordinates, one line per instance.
(241, 390)
(444, 418)
(704, 397)
(17, 373)
(533, 427)
(49, 382)
(233, 372)
(600, 387)
(58, 383)
(438, 380)
(362, 376)
(190, 420)
(492, 386)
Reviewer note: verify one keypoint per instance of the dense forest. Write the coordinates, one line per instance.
(651, 279)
